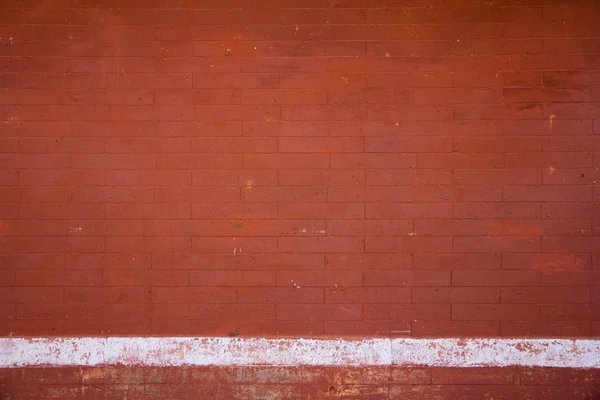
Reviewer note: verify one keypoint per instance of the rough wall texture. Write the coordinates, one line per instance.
(299, 384)
(300, 167)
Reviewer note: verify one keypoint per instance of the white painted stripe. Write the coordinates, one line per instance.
(187, 351)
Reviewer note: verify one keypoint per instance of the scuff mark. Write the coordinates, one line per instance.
(349, 311)
(551, 121)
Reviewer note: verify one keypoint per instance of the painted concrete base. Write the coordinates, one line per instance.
(188, 351)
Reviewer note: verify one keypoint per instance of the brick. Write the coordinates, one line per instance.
(35, 328)
(572, 244)
(320, 245)
(469, 295)
(284, 128)
(498, 177)
(320, 145)
(291, 328)
(495, 312)
(487, 244)
(346, 177)
(153, 277)
(574, 143)
(495, 278)
(389, 328)
(150, 113)
(169, 96)
(193, 295)
(284, 194)
(553, 295)
(238, 311)
(436, 312)
(383, 177)
(457, 226)
(547, 262)
(234, 210)
(546, 227)
(581, 176)
(407, 244)
(406, 278)
(569, 46)
(390, 295)
(43, 244)
(475, 376)
(539, 328)
(193, 261)
(79, 81)
(471, 261)
(570, 278)
(369, 261)
(334, 112)
(407, 144)
(61, 177)
(555, 376)
(445, 96)
(233, 145)
(549, 95)
(458, 160)
(389, 227)
(320, 210)
(236, 112)
(146, 146)
(441, 193)
(291, 295)
(113, 161)
(376, 161)
(455, 328)
(319, 312)
(247, 178)
(58, 278)
(235, 245)
(342, 194)
(112, 194)
(281, 261)
(410, 79)
(521, 79)
(235, 80)
(407, 210)
(547, 193)
(278, 64)
(498, 112)
(570, 312)
(318, 278)
(301, 96)
(401, 375)
(19, 261)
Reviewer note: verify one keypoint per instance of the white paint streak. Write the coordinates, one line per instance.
(220, 351)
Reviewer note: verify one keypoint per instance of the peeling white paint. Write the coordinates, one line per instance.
(221, 351)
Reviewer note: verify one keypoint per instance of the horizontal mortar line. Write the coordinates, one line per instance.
(220, 351)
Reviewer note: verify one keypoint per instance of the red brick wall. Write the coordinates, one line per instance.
(382, 167)
(299, 383)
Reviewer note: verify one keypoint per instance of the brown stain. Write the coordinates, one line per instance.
(528, 106)
(219, 125)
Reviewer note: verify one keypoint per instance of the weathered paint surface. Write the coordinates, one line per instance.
(181, 351)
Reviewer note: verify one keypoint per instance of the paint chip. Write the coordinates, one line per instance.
(551, 121)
